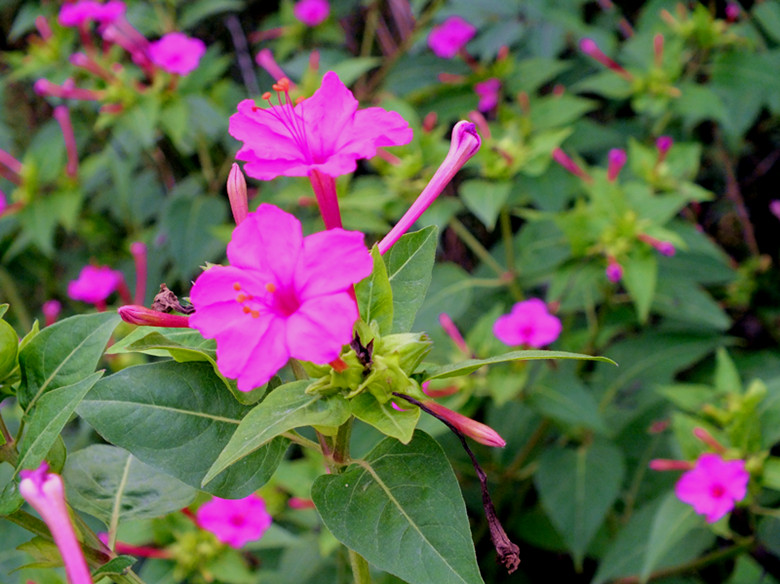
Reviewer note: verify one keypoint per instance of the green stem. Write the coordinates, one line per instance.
(509, 250)
(11, 292)
(359, 565)
(293, 436)
(475, 246)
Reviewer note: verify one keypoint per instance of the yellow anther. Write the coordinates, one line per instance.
(236, 286)
(241, 297)
(255, 314)
(247, 310)
(271, 287)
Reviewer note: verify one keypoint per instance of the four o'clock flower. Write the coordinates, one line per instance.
(237, 194)
(311, 12)
(713, 486)
(590, 48)
(614, 271)
(529, 323)
(449, 37)
(177, 53)
(45, 492)
(489, 92)
(95, 284)
(85, 11)
(142, 316)
(616, 159)
(283, 295)
(321, 137)
(235, 521)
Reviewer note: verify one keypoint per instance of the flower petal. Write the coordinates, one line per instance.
(331, 261)
(322, 325)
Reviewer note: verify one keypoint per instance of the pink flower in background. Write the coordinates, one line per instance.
(311, 12)
(45, 492)
(235, 521)
(95, 284)
(713, 486)
(614, 271)
(3, 202)
(449, 37)
(177, 53)
(529, 323)
(325, 132)
(774, 207)
(284, 295)
(80, 13)
(488, 92)
(51, 310)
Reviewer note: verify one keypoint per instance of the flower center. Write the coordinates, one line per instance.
(236, 520)
(717, 491)
(285, 113)
(282, 302)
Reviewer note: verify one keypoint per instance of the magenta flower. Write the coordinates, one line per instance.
(95, 284)
(713, 486)
(321, 137)
(235, 521)
(284, 295)
(80, 13)
(449, 37)
(774, 207)
(45, 492)
(614, 271)
(311, 12)
(529, 323)
(177, 53)
(616, 159)
(488, 92)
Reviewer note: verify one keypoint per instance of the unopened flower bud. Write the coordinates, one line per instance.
(616, 160)
(476, 430)
(563, 159)
(614, 271)
(663, 144)
(51, 310)
(590, 48)
(708, 439)
(236, 188)
(142, 316)
(664, 464)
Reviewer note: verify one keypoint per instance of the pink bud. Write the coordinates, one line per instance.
(614, 271)
(62, 115)
(265, 58)
(663, 144)
(616, 160)
(664, 464)
(452, 331)
(471, 428)
(51, 310)
(142, 316)
(464, 144)
(663, 247)
(774, 208)
(732, 11)
(590, 48)
(563, 159)
(44, 29)
(708, 439)
(236, 188)
(658, 49)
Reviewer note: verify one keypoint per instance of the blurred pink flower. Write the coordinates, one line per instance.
(311, 12)
(614, 271)
(45, 492)
(80, 13)
(3, 202)
(235, 521)
(774, 207)
(95, 284)
(529, 323)
(325, 132)
(177, 53)
(284, 295)
(488, 92)
(51, 310)
(449, 37)
(713, 486)
(616, 159)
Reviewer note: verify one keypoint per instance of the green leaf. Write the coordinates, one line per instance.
(409, 265)
(112, 485)
(485, 199)
(401, 509)
(195, 12)
(350, 70)
(673, 522)
(117, 566)
(577, 488)
(397, 424)
(567, 401)
(287, 407)
(9, 348)
(767, 14)
(471, 365)
(639, 277)
(63, 354)
(46, 419)
(770, 478)
(726, 375)
(375, 296)
(177, 417)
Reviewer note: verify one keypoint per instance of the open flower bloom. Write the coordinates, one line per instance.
(80, 13)
(450, 37)
(45, 492)
(95, 284)
(177, 53)
(311, 12)
(235, 521)
(713, 486)
(529, 323)
(325, 132)
(284, 295)
(489, 92)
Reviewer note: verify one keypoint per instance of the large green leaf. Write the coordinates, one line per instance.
(391, 422)
(375, 297)
(287, 407)
(46, 419)
(640, 276)
(470, 365)
(577, 488)
(111, 484)
(401, 509)
(63, 354)
(409, 268)
(178, 417)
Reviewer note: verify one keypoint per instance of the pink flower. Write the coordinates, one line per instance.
(311, 12)
(142, 316)
(177, 53)
(450, 36)
(325, 132)
(45, 492)
(713, 486)
(774, 207)
(476, 430)
(529, 323)
(488, 92)
(235, 521)
(614, 270)
(95, 284)
(284, 295)
(51, 310)
(80, 13)
(616, 159)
